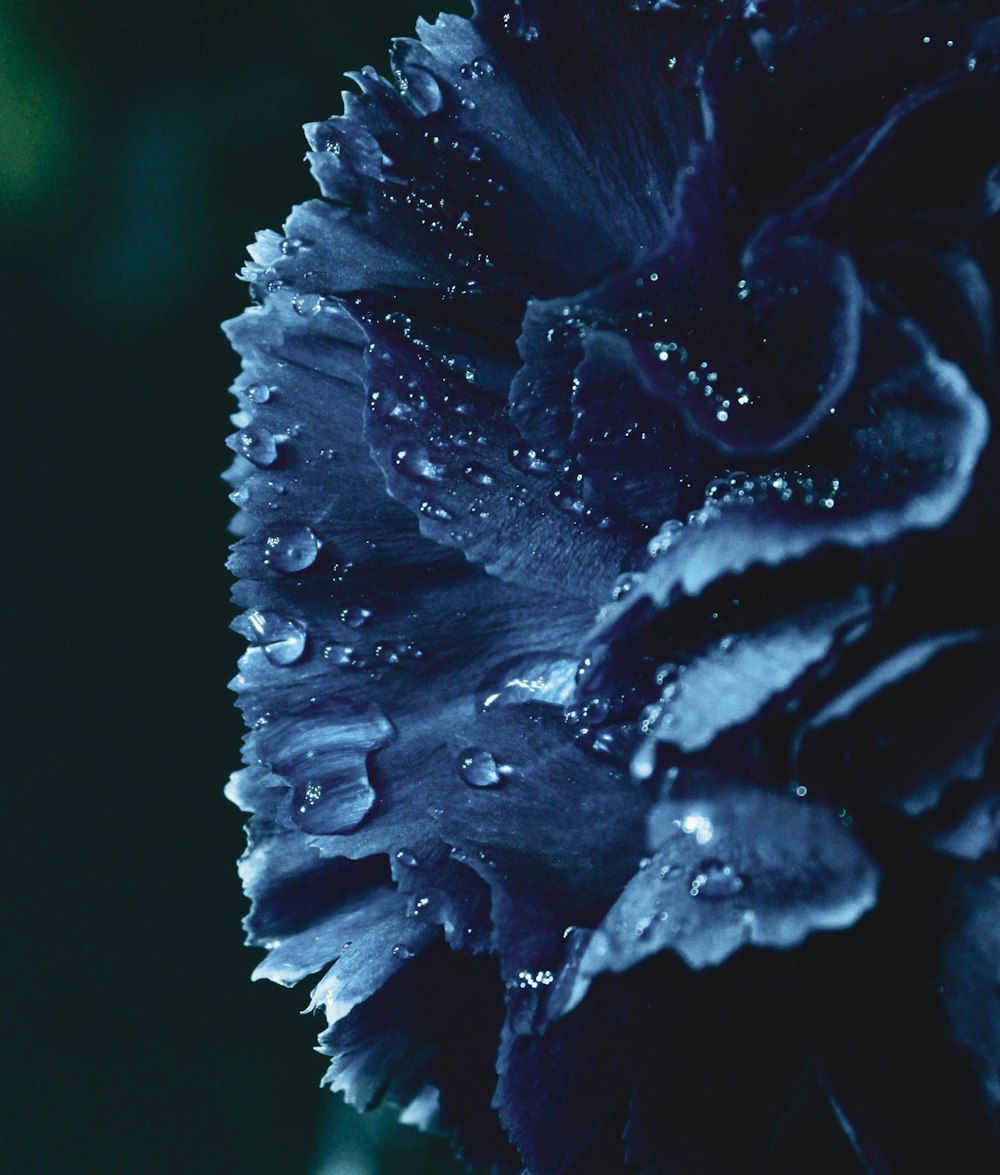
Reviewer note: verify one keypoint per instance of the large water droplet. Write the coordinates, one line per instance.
(257, 445)
(308, 305)
(322, 752)
(258, 393)
(478, 768)
(420, 89)
(405, 857)
(402, 951)
(290, 547)
(533, 677)
(283, 641)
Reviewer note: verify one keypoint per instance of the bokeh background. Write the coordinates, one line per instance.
(142, 142)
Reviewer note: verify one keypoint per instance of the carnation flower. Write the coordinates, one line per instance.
(617, 488)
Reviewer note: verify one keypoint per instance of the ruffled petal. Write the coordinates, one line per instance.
(749, 868)
(909, 471)
(891, 734)
(433, 1022)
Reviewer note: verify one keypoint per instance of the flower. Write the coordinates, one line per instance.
(617, 484)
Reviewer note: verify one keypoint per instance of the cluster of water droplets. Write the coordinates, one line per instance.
(517, 24)
(368, 655)
(526, 980)
(701, 377)
(798, 488)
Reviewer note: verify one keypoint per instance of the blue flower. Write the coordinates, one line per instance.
(617, 489)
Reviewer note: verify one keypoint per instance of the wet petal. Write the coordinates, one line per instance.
(450, 455)
(730, 872)
(909, 471)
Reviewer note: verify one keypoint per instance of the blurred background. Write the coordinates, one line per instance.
(142, 142)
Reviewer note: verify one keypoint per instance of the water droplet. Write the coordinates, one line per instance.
(517, 25)
(661, 543)
(437, 512)
(290, 548)
(307, 305)
(534, 677)
(461, 364)
(624, 584)
(257, 446)
(416, 462)
(567, 502)
(479, 68)
(478, 474)
(716, 881)
(421, 90)
(258, 393)
(354, 616)
(402, 951)
(405, 857)
(530, 461)
(292, 245)
(283, 641)
(595, 711)
(478, 768)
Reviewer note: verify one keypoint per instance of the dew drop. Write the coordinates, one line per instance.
(566, 502)
(258, 393)
(416, 462)
(290, 548)
(405, 857)
(283, 641)
(292, 245)
(354, 616)
(478, 474)
(479, 68)
(421, 90)
(257, 446)
(530, 461)
(402, 951)
(307, 305)
(478, 768)
(624, 584)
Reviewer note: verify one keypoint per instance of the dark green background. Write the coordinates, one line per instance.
(141, 144)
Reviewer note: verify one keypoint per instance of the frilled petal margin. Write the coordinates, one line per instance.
(893, 734)
(910, 470)
(724, 873)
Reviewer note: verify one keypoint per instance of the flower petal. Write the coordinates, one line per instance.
(971, 959)
(750, 868)
(447, 452)
(910, 470)
(892, 735)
